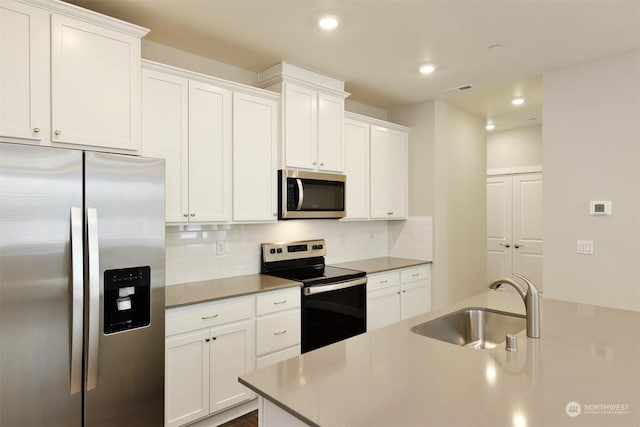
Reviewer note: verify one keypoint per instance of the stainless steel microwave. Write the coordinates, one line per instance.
(310, 195)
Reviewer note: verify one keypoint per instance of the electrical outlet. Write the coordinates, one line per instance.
(220, 247)
(584, 247)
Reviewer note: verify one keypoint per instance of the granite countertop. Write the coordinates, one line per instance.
(394, 377)
(228, 287)
(377, 265)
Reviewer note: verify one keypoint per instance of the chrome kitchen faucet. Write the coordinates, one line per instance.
(531, 299)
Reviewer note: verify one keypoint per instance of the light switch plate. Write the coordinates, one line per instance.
(584, 247)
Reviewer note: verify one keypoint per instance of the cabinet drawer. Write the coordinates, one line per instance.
(416, 273)
(197, 316)
(383, 280)
(273, 302)
(276, 357)
(277, 332)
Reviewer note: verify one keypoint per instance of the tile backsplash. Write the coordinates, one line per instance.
(191, 249)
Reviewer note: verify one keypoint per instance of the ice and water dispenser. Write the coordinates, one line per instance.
(127, 299)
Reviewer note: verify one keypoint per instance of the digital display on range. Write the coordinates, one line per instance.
(297, 248)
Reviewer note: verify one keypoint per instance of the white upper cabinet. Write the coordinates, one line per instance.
(24, 71)
(376, 165)
(219, 142)
(255, 148)
(209, 152)
(356, 147)
(93, 65)
(313, 117)
(389, 173)
(300, 126)
(188, 123)
(330, 133)
(165, 135)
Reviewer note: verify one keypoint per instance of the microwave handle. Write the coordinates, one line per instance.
(300, 194)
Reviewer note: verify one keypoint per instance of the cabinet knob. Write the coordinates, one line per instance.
(275, 214)
(518, 246)
(207, 340)
(398, 292)
(192, 214)
(506, 245)
(314, 163)
(58, 132)
(389, 213)
(186, 215)
(321, 164)
(36, 130)
(282, 332)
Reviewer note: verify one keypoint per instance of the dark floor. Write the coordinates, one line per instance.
(248, 420)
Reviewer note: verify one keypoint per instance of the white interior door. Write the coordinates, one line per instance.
(514, 226)
(499, 227)
(527, 226)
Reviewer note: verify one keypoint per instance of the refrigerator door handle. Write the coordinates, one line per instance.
(94, 298)
(77, 287)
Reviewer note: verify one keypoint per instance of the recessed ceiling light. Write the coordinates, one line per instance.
(427, 69)
(490, 126)
(517, 101)
(328, 23)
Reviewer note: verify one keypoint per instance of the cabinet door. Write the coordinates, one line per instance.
(380, 174)
(383, 307)
(165, 135)
(209, 152)
(389, 173)
(255, 139)
(330, 133)
(186, 377)
(300, 126)
(397, 150)
(414, 299)
(356, 141)
(231, 356)
(95, 85)
(24, 71)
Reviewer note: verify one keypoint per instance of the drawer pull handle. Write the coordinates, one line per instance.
(415, 275)
(284, 331)
(383, 281)
(209, 317)
(280, 302)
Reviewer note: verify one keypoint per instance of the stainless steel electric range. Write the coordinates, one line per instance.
(334, 300)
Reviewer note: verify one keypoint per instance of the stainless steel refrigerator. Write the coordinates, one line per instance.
(81, 288)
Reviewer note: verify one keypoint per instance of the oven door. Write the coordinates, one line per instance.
(333, 312)
(307, 195)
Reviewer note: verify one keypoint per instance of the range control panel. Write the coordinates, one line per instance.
(293, 250)
(127, 299)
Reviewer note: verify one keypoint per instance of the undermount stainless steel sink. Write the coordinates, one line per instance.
(479, 328)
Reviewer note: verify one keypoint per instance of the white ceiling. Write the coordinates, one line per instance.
(380, 44)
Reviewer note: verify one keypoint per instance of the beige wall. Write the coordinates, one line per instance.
(514, 148)
(591, 151)
(447, 173)
(188, 61)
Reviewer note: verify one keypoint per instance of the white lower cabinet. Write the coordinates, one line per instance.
(278, 325)
(209, 345)
(202, 365)
(397, 295)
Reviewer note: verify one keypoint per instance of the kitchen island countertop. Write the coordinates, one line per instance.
(228, 287)
(584, 370)
(378, 265)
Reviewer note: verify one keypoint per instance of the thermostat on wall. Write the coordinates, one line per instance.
(600, 208)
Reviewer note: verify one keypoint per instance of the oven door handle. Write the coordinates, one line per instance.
(312, 290)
